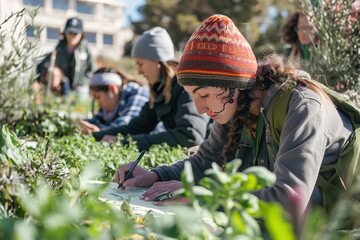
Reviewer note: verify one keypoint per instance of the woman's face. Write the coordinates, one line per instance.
(106, 100)
(305, 30)
(57, 76)
(73, 39)
(150, 69)
(211, 99)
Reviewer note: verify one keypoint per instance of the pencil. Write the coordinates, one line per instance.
(132, 168)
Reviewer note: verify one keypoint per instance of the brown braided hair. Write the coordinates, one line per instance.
(272, 70)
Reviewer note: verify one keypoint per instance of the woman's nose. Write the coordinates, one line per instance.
(200, 107)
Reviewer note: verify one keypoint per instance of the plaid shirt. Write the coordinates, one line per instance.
(133, 97)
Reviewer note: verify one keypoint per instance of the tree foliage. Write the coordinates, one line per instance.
(181, 17)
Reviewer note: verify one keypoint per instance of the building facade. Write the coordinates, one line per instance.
(103, 23)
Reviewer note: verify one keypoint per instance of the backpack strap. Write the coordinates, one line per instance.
(339, 176)
(278, 109)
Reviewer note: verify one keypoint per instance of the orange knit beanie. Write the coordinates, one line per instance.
(217, 55)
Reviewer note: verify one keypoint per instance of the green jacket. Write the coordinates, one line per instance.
(184, 126)
(77, 69)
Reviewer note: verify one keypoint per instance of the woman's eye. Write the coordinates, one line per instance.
(204, 96)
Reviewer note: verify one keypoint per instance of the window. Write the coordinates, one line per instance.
(109, 12)
(108, 39)
(30, 31)
(52, 33)
(84, 7)
(60, 4)
(91, 37)
(34, 2)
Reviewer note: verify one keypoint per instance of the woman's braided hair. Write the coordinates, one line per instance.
(272, 70)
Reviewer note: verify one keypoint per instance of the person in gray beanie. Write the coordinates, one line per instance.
(154, 44)
(169, 103)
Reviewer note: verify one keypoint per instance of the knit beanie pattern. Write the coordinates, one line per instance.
(154, 44)
(217, 55)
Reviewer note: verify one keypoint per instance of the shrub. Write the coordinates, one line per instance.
(16, 64)
(335, 60)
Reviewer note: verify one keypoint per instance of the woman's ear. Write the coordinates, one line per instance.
(113, 88)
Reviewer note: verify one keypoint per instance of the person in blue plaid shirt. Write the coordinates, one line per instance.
(119, 97)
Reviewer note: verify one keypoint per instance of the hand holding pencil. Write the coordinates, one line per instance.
(132, 174)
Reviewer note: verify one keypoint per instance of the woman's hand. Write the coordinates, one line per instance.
(139, 177)
(161, 187)
(87, 127)
(109, 138)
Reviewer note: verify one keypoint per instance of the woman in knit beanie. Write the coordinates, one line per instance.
(169, 103)
(218, 68)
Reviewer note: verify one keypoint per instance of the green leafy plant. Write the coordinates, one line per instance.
(16, 64)
(79, 150)
(19, 167)
(44, 123)
(74, 214)
(225, 196)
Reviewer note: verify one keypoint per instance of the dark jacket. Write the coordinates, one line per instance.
(184, 126)
(77, 67)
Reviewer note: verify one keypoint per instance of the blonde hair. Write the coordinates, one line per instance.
(167, 72)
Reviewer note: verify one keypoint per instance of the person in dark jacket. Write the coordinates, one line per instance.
(72, 57)
(153, 54)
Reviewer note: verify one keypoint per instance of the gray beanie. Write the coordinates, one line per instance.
(154, 44)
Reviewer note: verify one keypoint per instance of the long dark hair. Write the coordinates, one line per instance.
(272, 70)
(288, 30)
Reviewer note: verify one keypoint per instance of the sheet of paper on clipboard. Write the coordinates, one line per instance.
(131, 194)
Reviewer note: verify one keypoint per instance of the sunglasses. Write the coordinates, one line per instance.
(72, 33)
(304, 28)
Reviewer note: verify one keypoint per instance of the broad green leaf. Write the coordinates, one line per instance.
(25, 230)
(221, 218)
(252, 227)
(201, 191)
(264, 176)
(10, 147)
(233, 166)
(91, 172)
(210, 183)
(237, 223)
(275, 222)
(189, 177)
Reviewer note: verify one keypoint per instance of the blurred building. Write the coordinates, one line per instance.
(103, 23)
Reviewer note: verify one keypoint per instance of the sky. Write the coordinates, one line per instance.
(131, 10)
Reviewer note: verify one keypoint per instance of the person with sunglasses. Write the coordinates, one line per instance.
(298, 34)
(72, 57)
